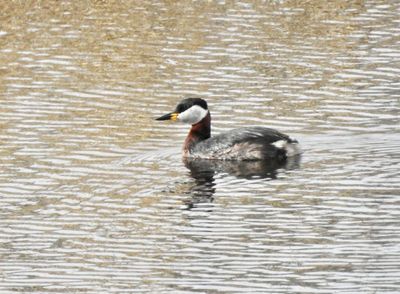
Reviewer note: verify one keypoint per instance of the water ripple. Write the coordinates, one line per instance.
(95, 196)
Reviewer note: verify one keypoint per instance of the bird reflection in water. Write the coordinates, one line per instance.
(203, 171)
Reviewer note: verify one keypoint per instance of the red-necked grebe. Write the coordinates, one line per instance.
(250, 143)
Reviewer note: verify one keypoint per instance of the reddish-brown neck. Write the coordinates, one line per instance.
(198, 132)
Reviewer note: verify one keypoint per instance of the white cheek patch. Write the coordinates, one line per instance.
(193, 115)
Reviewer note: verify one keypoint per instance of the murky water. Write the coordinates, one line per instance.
(96, 199)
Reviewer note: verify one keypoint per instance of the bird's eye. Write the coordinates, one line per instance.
(181, 108)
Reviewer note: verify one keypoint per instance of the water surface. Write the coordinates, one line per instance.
(95, 197)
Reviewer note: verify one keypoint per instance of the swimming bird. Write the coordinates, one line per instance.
(247, 143)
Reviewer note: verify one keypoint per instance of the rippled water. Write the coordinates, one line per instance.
(96, 199)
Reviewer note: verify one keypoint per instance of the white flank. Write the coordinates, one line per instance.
(281, 144)
(193, 115)
(290, 148)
